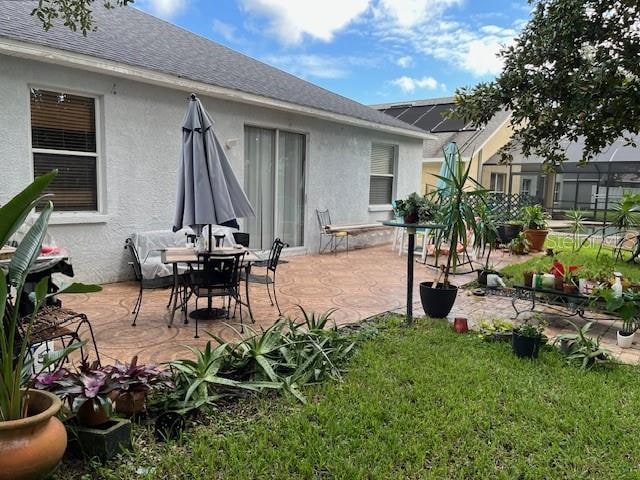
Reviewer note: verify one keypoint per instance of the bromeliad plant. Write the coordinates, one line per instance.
(583, 349)
(15, 359)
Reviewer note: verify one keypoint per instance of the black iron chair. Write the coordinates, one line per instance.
(144, 284)
(268, 278)
(333, 239)
(218, 276)
(241, 238)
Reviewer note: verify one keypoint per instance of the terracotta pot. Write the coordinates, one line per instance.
(130, 404)
(91, 414)
(528, 279)
(558, 284)
(411, 218)
(569, 288)
(31, 448)
(460, 325)
(536, 238)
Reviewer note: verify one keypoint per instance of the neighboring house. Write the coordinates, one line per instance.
(598, 185)
(106, 110)
(477, 145)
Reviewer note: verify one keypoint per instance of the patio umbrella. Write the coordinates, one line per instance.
(449, 165)
(208, 191)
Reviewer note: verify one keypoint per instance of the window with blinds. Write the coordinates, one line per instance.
(63, 136)
(383, 159)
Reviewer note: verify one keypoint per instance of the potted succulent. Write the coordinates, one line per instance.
(32, 439)
(535, 221)
(414, 208)
(133, 384)
(519, 245)
(90, 391)
(497, 330)
(455, 215)
(526, 339)
(509, 230)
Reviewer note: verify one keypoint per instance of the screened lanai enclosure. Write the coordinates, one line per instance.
(594, 188)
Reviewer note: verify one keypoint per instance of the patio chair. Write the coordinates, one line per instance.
(333, 238)
(218, 276)
(144, 283)
(268, 278)
(241, 238)
(55, 324)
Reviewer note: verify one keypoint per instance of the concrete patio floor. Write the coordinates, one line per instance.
(364, 283)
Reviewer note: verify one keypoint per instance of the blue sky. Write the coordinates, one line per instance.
(374, 51)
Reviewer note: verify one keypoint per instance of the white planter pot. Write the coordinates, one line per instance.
(625, 341)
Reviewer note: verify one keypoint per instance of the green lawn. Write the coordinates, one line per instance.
(419, 402)
(585, 257)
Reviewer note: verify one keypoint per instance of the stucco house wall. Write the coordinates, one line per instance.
(139, 149)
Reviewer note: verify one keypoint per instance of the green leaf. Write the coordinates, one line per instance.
(29, 249)
(14, 212)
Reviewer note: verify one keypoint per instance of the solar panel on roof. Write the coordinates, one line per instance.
(395, 111)
(413, 114)
(432, 117)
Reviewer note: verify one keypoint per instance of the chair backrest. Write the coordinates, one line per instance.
(218, 270)
(241, 238)
(274, 254)
(324, 219)
(135, 258)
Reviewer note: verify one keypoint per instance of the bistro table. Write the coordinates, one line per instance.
(411, 233)
(188, 255)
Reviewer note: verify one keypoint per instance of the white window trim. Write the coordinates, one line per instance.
(384, 207)
(81, 216)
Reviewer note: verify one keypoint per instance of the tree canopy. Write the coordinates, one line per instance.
(574, 72)
(75, 14)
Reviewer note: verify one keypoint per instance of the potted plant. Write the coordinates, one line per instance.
(497, 330)
(509, 230)
(565, 278)
(133, 384)
(519, 245)
(32, 439)
(535, 221)
(455, 215)
(414, 209)
(626, 307)
(89, 391)
(526, 339)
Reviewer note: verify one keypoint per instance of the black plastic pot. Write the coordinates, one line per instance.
(525, 347)
(437, 302)
(508, 232)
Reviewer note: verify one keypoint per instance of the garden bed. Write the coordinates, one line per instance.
(418, 402)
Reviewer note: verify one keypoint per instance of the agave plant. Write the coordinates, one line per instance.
(14, 357)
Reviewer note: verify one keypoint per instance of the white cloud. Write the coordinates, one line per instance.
(225, 30)
(409, 84)
(291, 20)
(405, 62)
(408, 13)
(319, 66)
(163, 8)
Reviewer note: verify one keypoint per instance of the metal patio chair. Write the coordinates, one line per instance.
(216, 275)
(268, 278)
(333, 239)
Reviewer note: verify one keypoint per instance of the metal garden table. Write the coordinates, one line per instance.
(411, 233)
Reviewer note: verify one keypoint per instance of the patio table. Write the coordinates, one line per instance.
(188, 255)
(411, 233)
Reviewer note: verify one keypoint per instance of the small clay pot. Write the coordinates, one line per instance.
(91, 414)
(460, 325)
(569, 288)
(559, 283)
(130, 404)
(528, 279)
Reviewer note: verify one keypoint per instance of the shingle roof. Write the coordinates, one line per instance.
(427, 114)
(130, 36)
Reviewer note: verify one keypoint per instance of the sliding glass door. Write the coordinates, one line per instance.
(274, 165)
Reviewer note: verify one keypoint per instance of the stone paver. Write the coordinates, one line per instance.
(363, 283)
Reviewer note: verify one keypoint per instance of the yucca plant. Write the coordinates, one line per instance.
(15, 360)
(457, 195)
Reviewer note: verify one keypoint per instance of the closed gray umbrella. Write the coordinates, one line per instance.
(208, 191)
